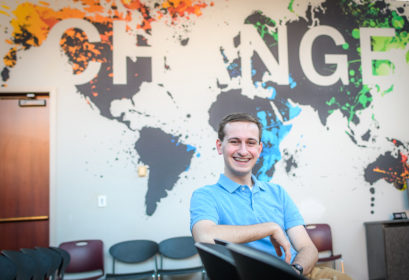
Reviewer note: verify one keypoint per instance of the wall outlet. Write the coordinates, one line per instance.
(102, 200)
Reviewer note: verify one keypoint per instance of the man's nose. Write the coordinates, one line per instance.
(243, 148)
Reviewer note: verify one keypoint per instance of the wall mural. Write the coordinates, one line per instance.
(290, 64)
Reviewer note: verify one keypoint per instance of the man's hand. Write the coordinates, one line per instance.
(279, 240)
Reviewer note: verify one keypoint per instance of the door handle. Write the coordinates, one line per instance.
(23, 219)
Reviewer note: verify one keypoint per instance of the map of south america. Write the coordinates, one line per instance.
(167, 159)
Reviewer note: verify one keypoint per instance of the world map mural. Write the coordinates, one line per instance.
(267, 54)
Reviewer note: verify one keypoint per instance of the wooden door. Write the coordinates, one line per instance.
(24, 171)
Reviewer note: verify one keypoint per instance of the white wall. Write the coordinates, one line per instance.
(93, 154)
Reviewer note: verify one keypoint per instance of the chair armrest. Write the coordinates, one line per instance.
(331, 258)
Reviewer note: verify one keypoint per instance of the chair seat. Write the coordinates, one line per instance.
(132, 275)
(180, 270)
(99, 276)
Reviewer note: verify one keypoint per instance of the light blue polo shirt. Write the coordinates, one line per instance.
(228, 203)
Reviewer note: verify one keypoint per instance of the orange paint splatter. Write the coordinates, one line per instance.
(32, 23)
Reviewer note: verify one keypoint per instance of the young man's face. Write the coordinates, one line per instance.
(240, 148)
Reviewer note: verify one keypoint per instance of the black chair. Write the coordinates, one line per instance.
(64, 263)
(43, 262)
(25, 264)
(178, 248)
(54, 259)
(221, 241)
(218, 261)
(255, 264)
(133, 252)
(8, 270)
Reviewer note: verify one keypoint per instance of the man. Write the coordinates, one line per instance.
(241, 209)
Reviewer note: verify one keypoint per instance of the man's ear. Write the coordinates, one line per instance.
(261, 147)
(219, 146)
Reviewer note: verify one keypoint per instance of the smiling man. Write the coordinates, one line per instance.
(241, 209)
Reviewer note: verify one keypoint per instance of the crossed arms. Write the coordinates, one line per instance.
(206, 231)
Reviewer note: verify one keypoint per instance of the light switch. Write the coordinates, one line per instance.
(142, 171)
(102, 200)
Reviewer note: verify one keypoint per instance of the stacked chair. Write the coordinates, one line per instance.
(8, 268)
(37, 263)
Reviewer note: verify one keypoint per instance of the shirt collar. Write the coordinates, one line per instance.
(231, 186)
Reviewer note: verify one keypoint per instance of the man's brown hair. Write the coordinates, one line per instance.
(238, 117)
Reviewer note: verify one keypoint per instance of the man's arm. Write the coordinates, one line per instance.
(207, 231)
(307, 252)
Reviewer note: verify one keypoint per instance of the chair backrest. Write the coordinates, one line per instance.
(180, 247)
(321, 236)
(25, 264)
(218, 261)
(133, 251)
(8, 270)
(43, 262)
(255, 264)
(64, 263)
(54, 259)
(85, 256)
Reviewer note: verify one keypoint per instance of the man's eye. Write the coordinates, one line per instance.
(252, 143)
(234, 142)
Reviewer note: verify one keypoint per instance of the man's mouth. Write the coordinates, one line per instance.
(241, 159)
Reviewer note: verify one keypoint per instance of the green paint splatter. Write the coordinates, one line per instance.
(360, 102)
(355, 33)
(290, 6)
(390, 89)
(266, 27)
(382, 67)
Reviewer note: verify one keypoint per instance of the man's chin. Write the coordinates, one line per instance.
(241, 172)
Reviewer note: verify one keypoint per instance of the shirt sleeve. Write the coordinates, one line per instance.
(202, 207)
(292, 215)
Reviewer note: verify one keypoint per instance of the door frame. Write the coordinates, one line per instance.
(52, 102)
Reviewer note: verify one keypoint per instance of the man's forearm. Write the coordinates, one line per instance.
(236, 234)
(307, 258)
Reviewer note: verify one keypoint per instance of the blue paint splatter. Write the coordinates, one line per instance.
(292, 82)
(273, 92)
(190, 148)
(274, 132)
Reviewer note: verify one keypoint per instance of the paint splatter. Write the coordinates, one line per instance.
(31, 24)
(392, 167)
